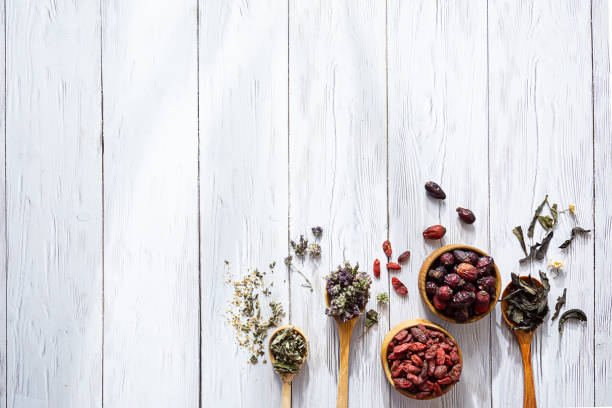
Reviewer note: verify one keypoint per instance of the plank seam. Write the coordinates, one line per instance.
(199, 209)
(5, 231)
(288, 159)
(103, 203)
(593, 203)
(489, 203)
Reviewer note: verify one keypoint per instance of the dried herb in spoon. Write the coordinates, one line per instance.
(571, 314)
(288, 349)
(527, 302)
(560, 303)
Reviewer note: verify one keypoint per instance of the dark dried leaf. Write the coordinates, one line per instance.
(535, 217)
(546, 222)
(544, 280)
(555, 214)
(541, 252)
(532, 252)
(575, 231)
(518, 231)
(571, 314)
(560, 303)
(371, 318)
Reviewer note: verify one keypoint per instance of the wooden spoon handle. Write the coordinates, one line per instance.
(529, 397)
(345, 331)
(286, 396)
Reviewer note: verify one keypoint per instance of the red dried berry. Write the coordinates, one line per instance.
(401, 336)
(416, 346)
(454, 280)
(466, 215)
(455, 372)
(434, 190)
(440, 371)
(393, 266)
(445, 381)
(463, 298)
(402, 383)
(387, 248)
(436, 274)
(469, 286)
(447, 259)
(467, 271)
(403, 257)
(436, 389)
(488, 284)
(438, 303)
(422, 394)
(416, 360)
(461, 314)
(482, 298)
(444, 293)
(394, 365)
(431, 288)
(480, 309)
(411, 369)
(440, 354)
(454, 356)
(485, 265)
(402, 348)
(434, 232)
(419, 333)
(377, 268)
(399, 287)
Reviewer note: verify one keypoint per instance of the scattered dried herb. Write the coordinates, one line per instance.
(575, 231)
(541, 252)
(571, 314)
(288, 348)
(314, 250)
(546, 222)
(560, 303)
(527, 302)
(518, 231)
(383, 297)
(300, 247)
(371, 318)
(535, 217)
(245, 314)
(555, 215)
(348, 291)
(317, 231)
(308, 284)
(532, 252)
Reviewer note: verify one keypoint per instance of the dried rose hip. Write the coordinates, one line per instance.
(399, 287)
(467, 271)
(434, 232)
(393, 266)
(438, 303)
(461, 314)
(445, 293)
(454, 280)
(434, 190)
(387, 248)
(485, 265)
(431, 288)
(377, 268)
(403, 257)
(462, 299)
(482, 298)
(480, 309)
(461, 256)
(466, 215)
(437, 274)
(472, 257)
(447, 259)
(487, 283)
(469, 286)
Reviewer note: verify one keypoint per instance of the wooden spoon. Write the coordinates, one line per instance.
(287, 377)
(524, 341)
(345, 331)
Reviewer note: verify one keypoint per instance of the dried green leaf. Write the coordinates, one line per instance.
(571, 314)
(555, 214)
(546, 222)
(532, 253)
(371, 318)
(560, 303)
(535, 217)
(383, 297)
(518, 231)
(575, 231)
(541, 252)
(544, 280)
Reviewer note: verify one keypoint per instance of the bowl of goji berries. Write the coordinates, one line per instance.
(421, 360)
(459, 283)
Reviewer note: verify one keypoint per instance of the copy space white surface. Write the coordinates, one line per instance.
(143, 143)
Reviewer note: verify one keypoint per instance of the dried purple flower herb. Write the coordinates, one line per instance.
(348, 291)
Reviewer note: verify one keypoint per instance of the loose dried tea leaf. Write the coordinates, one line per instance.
(527, 303)
(546, 222)
(544, 280)
(535, 217)
(541, 252)
(532, 252)
(371, 318)
(518, 231)
(288, 348)
(560, 303)
(571, 314)
(575, 231)
(555, 214)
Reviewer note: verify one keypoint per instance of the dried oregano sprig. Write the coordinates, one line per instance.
(348, 291)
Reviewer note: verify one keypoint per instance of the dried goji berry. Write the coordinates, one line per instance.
(445, 381)
(402, 383)
(395, 364)
(436, 389)
(423, 394)
(440, 356)
(394, 266)
(440, 371)
(403, 257)
(402, 348)
(377, 268)
(401, 336)
(387, 248)
(399, 287)
(411, 369)
(417, 360)
(416, 346)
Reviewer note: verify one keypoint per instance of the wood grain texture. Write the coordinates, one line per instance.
(244, 187)
(603, 208)
(338, 180)
(541, 143)
(438, 132)
(151, 303)
(3, 217)
(53, 195)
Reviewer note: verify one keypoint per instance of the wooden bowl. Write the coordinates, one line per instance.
(407, 324)
(427, 266)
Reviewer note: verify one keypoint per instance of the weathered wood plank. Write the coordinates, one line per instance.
(151, 302)
(3, 217)
(338, 180)
(438, 131)
(541, 143)
(603, 219)
(244, 191)
(54, 204)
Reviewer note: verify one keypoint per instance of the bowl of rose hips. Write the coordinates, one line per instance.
(421, 360)
(459, 283)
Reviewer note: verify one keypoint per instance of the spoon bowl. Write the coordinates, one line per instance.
(524, 340)
(287, 377)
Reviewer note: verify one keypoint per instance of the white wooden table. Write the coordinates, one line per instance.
(144, 142)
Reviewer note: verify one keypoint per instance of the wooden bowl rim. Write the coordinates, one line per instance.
(423, 274)
(406, 324)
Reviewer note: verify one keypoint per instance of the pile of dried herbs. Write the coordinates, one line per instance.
(246, 314)
(527, 302)
(288, 348)
(348, 291)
